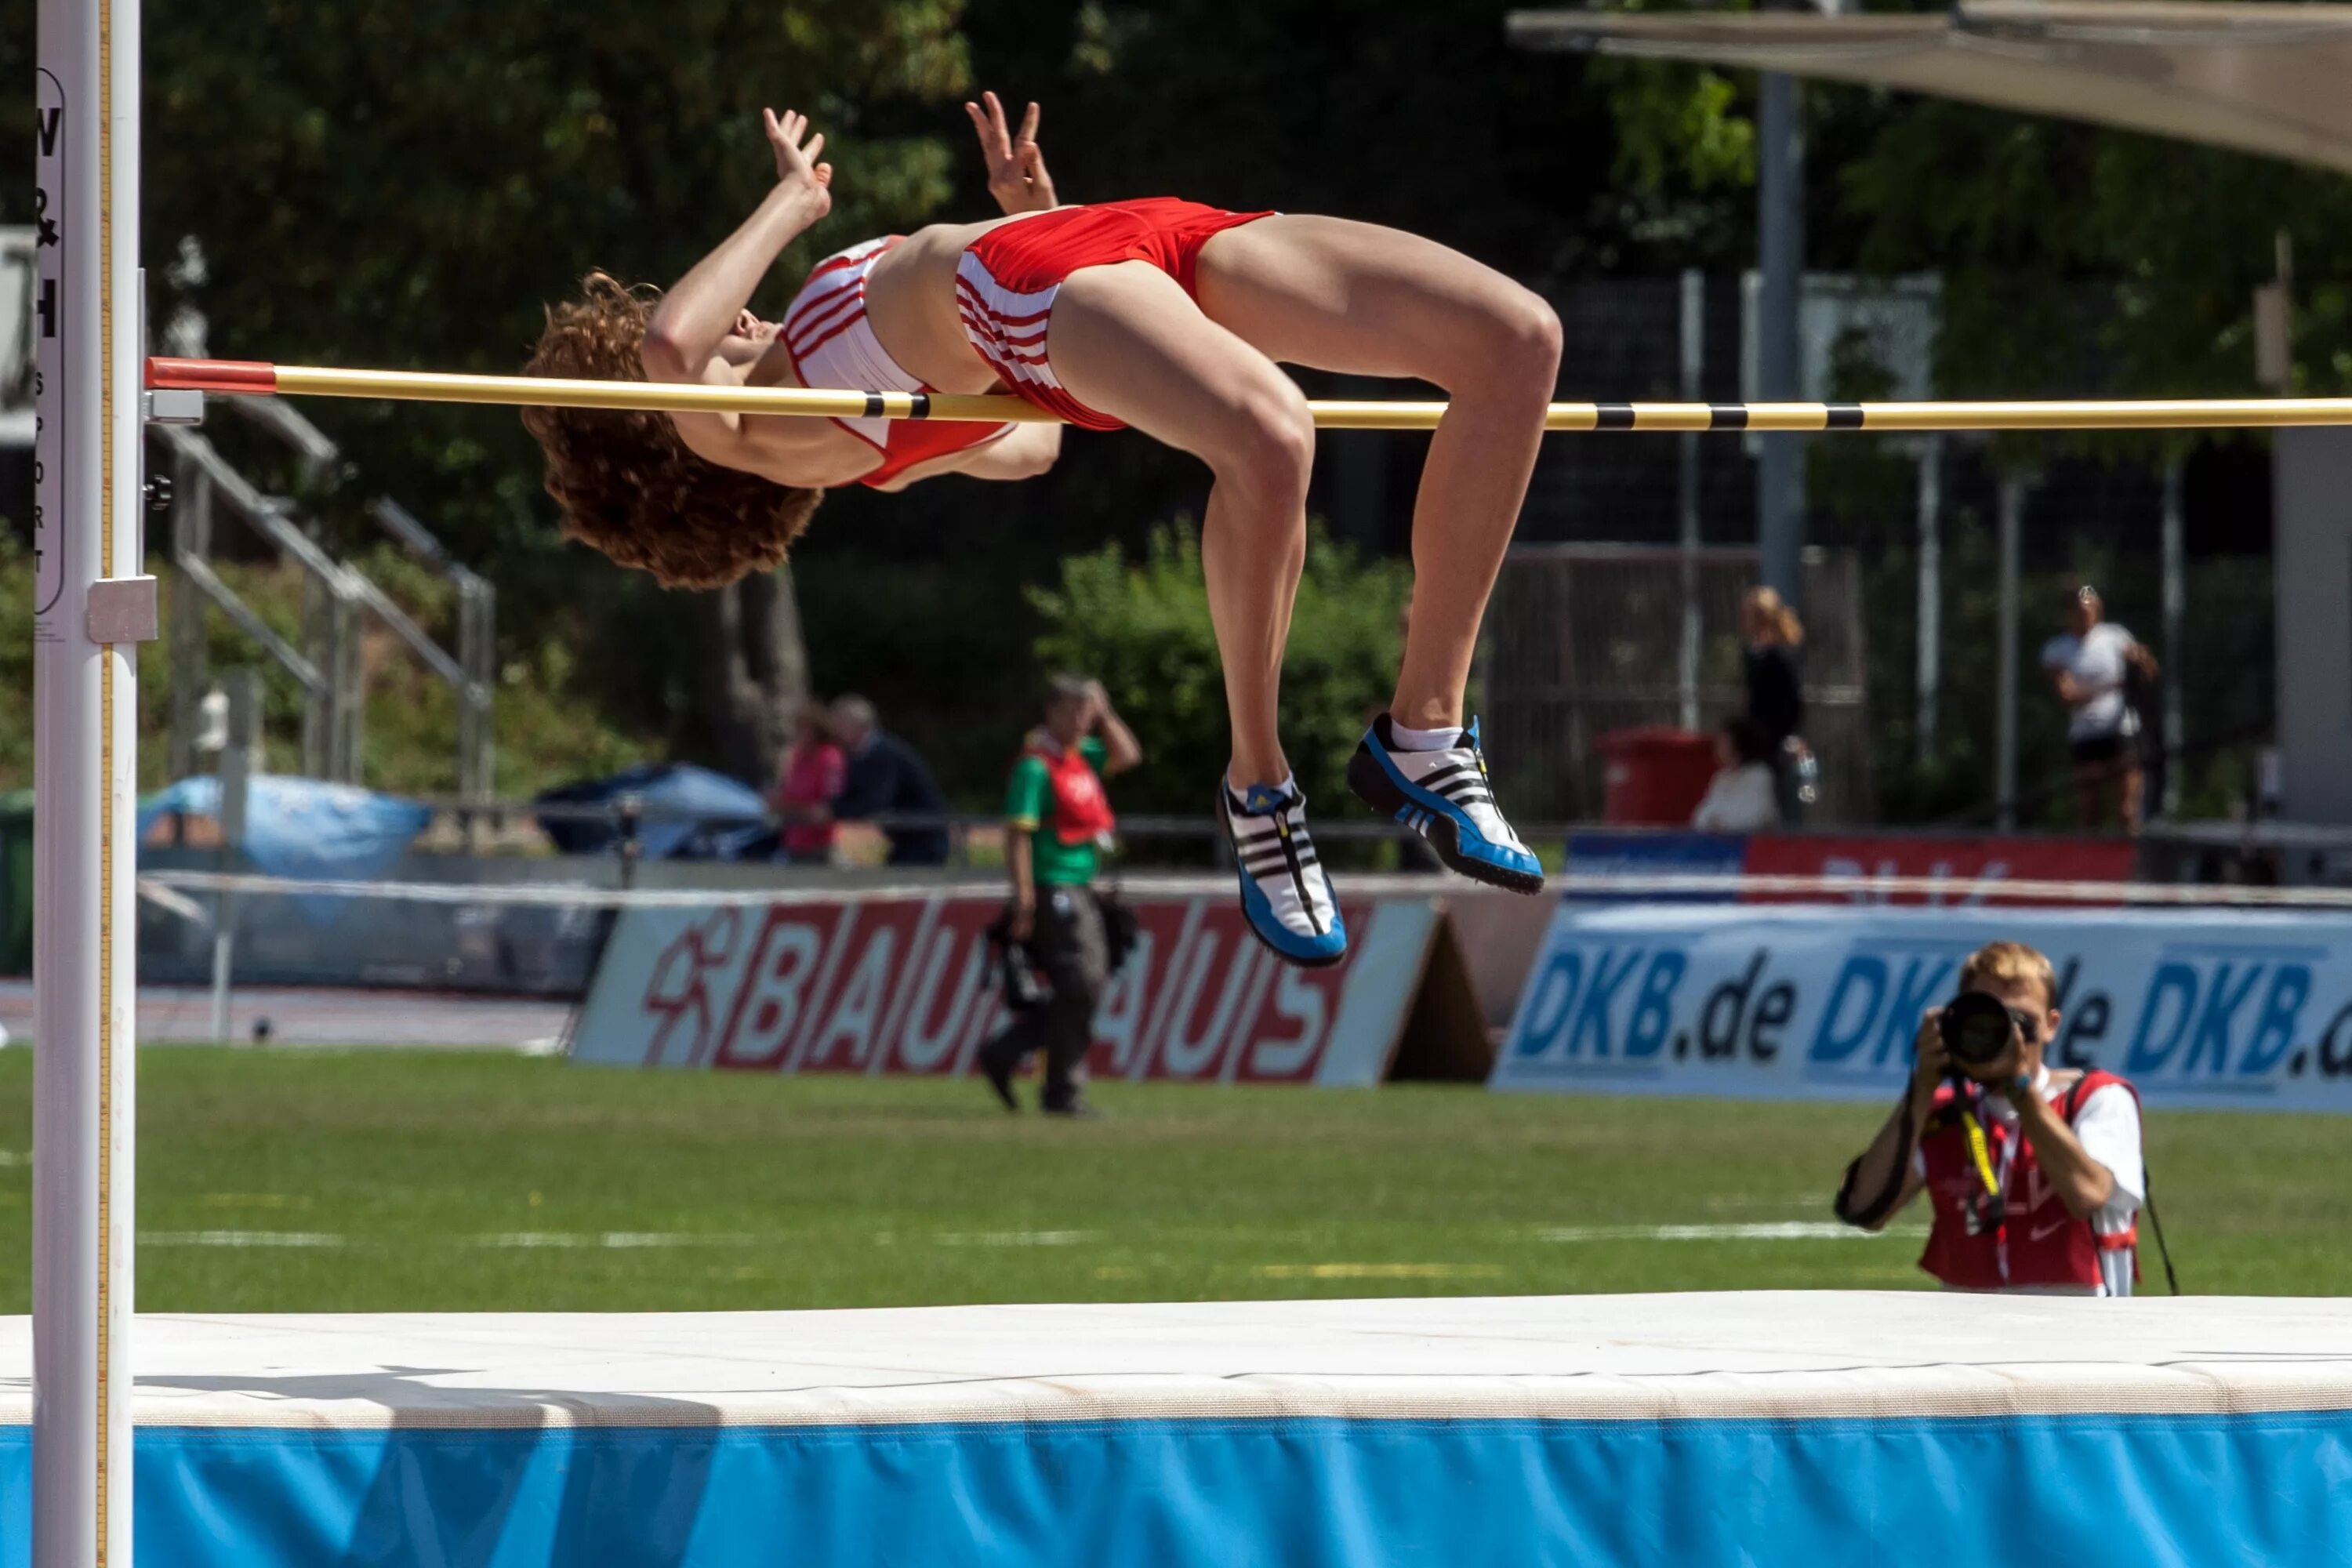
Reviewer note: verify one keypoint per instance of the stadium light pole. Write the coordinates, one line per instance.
(92, 609)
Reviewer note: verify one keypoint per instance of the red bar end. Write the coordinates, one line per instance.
(225, 375)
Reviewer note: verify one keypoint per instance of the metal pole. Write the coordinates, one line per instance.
(1694, 356)
(2176, 617)
(86, 541)
(1781, 225)
(1931, 593)
(191, 537)
(235, 776)
(2012, 531)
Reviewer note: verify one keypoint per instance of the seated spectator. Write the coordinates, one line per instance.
(884, 777)
(806, 782)
(1741, 797)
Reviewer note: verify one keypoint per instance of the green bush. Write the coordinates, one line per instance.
(1143, 629)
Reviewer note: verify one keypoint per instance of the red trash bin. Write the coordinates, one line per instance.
(1655, 775)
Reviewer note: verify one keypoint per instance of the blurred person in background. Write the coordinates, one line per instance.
(807, 780)
(2091, 667)
(1743, 796)
(1776, 695)
(1058, 820)
(883, 777)
(2034, 1179)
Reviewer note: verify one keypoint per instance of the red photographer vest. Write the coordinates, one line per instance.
(2038, 1243)
(1081, 810)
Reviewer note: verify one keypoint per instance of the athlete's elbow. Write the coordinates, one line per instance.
(664, 356)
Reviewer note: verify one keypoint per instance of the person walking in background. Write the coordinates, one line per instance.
(1776, 693)
(883, 776)
(1742, 797)
(806, 782)
(1057, 819)
(2091, 665)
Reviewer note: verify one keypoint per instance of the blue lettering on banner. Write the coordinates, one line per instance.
(1590, 1007)
(2236, 1017)
(1654, 1004)
(1872, 1001)
(1817, 1003)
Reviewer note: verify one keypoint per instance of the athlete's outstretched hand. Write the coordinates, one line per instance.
(796, 160)
(1016, 164)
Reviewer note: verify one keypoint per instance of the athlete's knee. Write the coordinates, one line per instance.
(1269, 449)
(1524, 340)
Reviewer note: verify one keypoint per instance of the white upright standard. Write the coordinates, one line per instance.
(85, 521)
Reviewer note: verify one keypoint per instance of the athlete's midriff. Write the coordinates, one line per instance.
(912, 299)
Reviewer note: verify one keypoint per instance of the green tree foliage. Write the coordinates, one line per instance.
(1141, 627)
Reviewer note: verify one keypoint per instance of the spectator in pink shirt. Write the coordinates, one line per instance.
(805, 786)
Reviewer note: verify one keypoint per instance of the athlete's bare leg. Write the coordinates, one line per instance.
(1367, 300)
(1128, 340)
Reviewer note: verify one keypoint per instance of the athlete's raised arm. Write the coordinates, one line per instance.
(1016, 164)
(694, 319)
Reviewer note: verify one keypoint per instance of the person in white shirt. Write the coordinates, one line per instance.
(2090, 668)
(1742, 797)
(2034, 1178)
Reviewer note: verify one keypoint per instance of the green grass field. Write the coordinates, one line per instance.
(415, 1181)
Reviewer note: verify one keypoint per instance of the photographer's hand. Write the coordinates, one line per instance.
(1930, 1064)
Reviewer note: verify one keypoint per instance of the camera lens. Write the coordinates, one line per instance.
(1975, 1029)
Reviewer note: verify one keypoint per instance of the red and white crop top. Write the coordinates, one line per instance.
(832, 346)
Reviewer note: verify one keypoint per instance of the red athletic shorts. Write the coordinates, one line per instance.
(1007, 279)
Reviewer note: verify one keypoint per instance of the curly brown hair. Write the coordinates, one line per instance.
(626, 483)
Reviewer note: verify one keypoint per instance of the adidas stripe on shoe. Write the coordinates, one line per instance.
(1445, 796)
(1287, 897)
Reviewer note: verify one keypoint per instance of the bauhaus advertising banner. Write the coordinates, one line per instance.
(2241, 1010)
(909, 985)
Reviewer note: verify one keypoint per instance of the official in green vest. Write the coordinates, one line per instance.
(1058, 820)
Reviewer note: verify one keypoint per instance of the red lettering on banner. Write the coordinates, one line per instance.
(951, 977)
(1975, 867)
(680, 989)
(912, 986)
(1294, 1028)
(1203, 993)
(866, 986)
(785, 959)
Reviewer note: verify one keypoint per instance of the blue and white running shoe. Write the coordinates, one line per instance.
(1445, 796)
(1285, 896)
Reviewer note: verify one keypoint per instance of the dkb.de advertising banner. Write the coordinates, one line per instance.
(2241, 1010)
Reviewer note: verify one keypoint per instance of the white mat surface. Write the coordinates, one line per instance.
(1781, 1355)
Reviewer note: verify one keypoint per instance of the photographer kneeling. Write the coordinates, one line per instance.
(2034, 1178)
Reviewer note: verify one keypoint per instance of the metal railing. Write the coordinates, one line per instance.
(336, 596)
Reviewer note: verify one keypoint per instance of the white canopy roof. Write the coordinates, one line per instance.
(2260, 77)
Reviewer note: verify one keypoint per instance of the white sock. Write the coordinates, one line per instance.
(1422, 739)
(1289, 781)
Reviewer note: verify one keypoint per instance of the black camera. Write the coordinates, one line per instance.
(1976, 1029)
(1016, 969)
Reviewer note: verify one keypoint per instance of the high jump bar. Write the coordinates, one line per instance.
(255, 378)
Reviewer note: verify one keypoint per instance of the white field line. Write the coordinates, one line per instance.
(580, 1240)
(1772, 1230)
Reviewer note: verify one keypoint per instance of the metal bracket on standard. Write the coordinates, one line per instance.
(122, 610)
(168, 406)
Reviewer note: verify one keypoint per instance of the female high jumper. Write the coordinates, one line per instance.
(1161, 314)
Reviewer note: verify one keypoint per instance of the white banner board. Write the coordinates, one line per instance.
(2221, 1009)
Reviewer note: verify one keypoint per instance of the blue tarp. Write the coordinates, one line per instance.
(687, 814)
(302, 828)
(2081, 1492)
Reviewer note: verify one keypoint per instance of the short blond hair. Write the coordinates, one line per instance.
(2011, 963)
